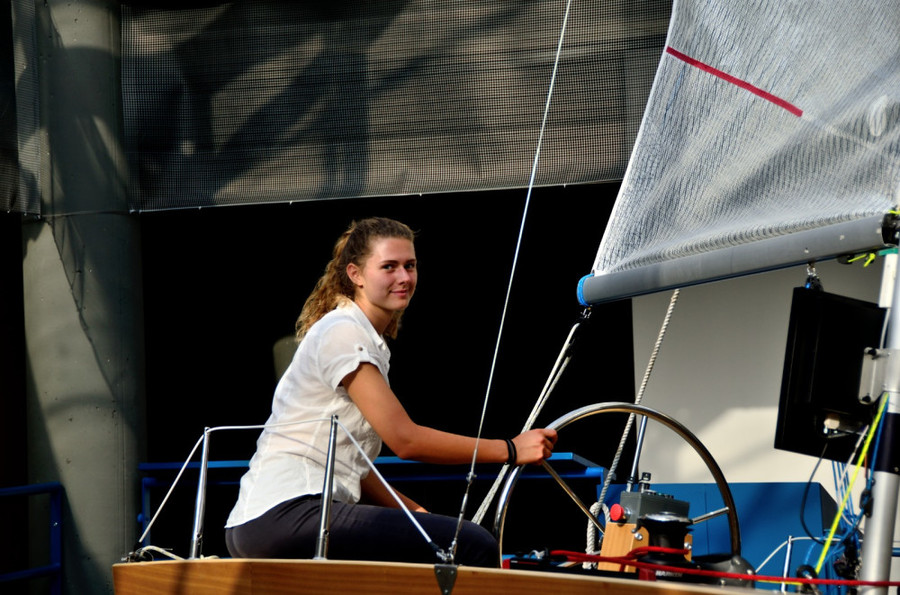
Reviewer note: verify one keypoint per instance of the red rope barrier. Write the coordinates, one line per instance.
(630, 559)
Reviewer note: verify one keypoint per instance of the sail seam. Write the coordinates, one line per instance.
(736, 81)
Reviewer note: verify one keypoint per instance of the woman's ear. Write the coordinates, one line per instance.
(354, 274)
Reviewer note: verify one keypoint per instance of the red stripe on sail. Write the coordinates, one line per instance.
(736, 81)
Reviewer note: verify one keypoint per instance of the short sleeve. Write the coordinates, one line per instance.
(342, 348)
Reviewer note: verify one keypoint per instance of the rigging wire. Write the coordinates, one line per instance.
(190, 456)
(862, 456)
(803, 498)
(171, 489)
(139, 551)
(840, 486)
(537, 153)
(848, 520)
(780, 547)
(444, 556)
(598, 505)
(562, 362)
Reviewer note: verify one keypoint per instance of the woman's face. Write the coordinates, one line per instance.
(387, 280)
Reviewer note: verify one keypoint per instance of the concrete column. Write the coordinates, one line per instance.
(83, 295)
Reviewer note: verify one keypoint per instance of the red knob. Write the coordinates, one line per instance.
(617, 513)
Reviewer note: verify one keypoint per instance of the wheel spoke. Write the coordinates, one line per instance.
(572, 495)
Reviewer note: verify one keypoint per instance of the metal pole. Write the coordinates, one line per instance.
(786, 570)
(877, 544)
(642, 429)
(200, 505)
(327, 491)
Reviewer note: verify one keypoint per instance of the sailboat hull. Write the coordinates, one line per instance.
(276, 577)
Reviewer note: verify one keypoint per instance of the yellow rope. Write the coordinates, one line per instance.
(859, 461)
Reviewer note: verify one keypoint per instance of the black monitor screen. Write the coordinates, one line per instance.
(827, 338)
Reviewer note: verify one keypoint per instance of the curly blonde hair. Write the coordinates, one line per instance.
(334, 286)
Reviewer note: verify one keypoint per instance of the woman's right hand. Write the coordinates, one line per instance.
(534, 446)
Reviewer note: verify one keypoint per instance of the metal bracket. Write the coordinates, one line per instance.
(873, 377)
(446, 577)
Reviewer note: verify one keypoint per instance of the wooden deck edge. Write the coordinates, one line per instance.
(280, 577)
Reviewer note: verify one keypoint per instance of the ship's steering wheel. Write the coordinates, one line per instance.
(615, 407)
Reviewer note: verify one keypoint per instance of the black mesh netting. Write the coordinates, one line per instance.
(277, 101)
(9, 166)
(19, 139)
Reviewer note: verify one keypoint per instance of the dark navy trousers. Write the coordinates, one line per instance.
(359, 532)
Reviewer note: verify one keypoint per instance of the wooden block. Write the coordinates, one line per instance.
(619, 539)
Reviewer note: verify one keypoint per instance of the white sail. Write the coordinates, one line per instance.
(767, 122)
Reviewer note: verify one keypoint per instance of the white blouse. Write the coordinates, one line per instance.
(290, 459)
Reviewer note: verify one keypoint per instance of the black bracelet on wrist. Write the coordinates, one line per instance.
(511, 449)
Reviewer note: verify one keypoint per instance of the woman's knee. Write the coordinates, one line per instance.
(477, 546)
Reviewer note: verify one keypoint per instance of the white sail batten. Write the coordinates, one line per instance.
(767, 120)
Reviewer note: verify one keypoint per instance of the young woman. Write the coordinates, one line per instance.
(341, 368)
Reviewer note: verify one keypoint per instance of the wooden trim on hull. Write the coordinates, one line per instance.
(277, 577)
